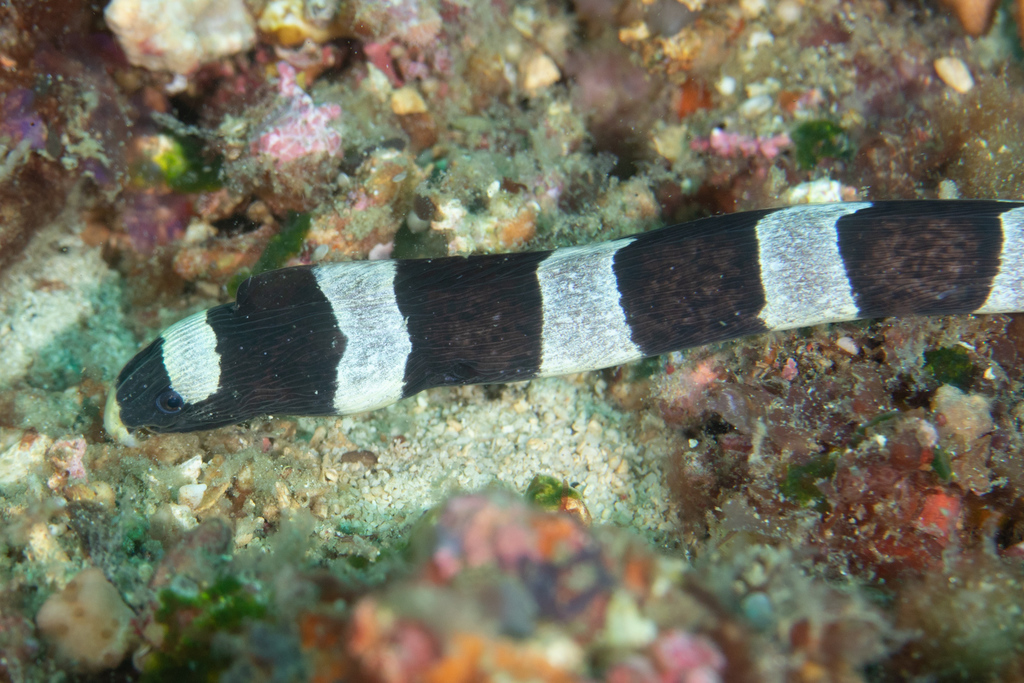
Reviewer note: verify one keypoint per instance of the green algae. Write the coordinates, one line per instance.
(183, 164)
(820, 139)
(861, 433)
(546, 492)
(950, 365)
(800, 484)
(941, 465)
(1007, 25)
(192, 622)
(557, 495)
(646, 368)
(425, 244)
(280, 248)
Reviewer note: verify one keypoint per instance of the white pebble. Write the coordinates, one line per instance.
(753, 8)
(538, 71)
(954, 73)
(848, 345)
(191, 468)
(948, 189)
(191, 495)
(198, 231)
(820, 191)
(726, 85)
(788, 11)
(381, 251)
(759, 38)
(755, 106)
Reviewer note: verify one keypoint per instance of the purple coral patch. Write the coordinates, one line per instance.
(19, 121)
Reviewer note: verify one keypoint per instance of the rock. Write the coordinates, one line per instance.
(965, 417)
(954, 73)
(405, 101)
(87, 623)
(537, 72)
(180, 35)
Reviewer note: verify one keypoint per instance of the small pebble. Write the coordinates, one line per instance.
(406, 101)
(192, 468)
(752, 9)
(191, 495)
(759, 38)
(538, 71)
(634, 33)
(198, 231)
(848, 345)
(954, 73)
(755, 106)
(820, 191)
(726, 85)
(757, 608)
(948, 189)
(381, 251)
(364, 458)
(87, 624)
(788, 11)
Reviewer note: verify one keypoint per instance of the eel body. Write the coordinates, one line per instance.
(351, 337)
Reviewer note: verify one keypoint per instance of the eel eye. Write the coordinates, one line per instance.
(170, 402)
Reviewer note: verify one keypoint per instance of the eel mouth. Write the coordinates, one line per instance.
(112, 421)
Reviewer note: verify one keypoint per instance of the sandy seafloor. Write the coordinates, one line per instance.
(844, 503)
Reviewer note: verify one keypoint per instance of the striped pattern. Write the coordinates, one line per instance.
(691, 284)
(470, 320)
(583, 325)
(371, 373)
(1007, 293)
(351, 337)
(190, 358)
(803, 275)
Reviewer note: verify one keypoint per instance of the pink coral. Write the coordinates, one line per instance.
(476, 533)
(379, 54)
(688, 658)
(728, 144)
(301, 128)
(790, 371)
